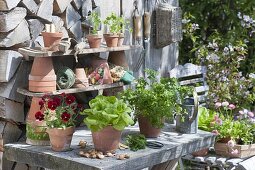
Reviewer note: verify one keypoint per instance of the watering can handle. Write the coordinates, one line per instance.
(194, 115)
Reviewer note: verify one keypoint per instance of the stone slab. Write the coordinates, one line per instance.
(175, 145)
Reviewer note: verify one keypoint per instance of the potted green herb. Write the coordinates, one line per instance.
(153, 101)
(94, 38)
(106, 118)
(124, 25)
(113, 25)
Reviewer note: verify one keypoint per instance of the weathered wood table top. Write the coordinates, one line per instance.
(175, 145)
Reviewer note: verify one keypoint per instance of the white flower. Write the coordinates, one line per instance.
(239, 15)
(225, 104)
(225, 51)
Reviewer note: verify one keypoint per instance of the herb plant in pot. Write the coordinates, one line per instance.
(123, 26)
(153, 101)
(106, 118)
(113, 26)
(94, 38)
(59, 114)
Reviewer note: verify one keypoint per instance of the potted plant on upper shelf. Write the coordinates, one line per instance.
(113, 26)
(59, 114)
(153, 101)
(124, 25)
(94, 38)
(106, 118)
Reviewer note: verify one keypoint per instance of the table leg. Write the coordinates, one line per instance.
(169, 165)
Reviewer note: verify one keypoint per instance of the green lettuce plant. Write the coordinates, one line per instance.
(107, 111)
(206, 119)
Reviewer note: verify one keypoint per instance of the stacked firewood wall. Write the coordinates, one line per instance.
(21, 22)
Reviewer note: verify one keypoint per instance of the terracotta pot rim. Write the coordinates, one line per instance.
(95, 36)
(52, 34)
(111, 35)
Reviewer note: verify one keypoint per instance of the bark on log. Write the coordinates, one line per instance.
(35, 27)
(19, 35)
(8, 4)
(10, 133)
(86, 7)
(58, 22)
(12, 110)
(9, 20)
(59, 6)
(9, 90)
(45, 10)
(70, 16)
(30, 5)
(9, 62)
(76, 31)
(77, 4)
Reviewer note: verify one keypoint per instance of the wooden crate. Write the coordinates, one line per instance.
(243, 150)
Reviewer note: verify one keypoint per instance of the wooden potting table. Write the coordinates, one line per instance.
(175, 146)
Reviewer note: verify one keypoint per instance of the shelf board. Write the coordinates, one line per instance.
(26, 92)
(39, 52)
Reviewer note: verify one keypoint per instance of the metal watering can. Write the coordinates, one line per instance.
(190, 123)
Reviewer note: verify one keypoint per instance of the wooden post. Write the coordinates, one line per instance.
(10, 19)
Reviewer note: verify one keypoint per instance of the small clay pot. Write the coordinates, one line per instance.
(52, 40)
(106, 139)
(81, 79)
(121, 39)
(147, 129)
(111, 40)
(42, 77)
(60, 139)
(94, 40)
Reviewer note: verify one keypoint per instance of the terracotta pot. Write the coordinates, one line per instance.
(107, 139)
(42, 77)
(52, 40)
(202, 152)
(224, 140)
(121, 39)
(94, 40)
(111, 40)
(36, 130)
(147, 129)
(60, 139)
(81, 78)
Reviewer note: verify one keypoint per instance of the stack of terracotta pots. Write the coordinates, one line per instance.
(42, 78)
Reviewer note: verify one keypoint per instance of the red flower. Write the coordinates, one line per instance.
(57, 100)
(39, 115)
(52, 105)
(41, 103)
(65, 116)
(70, 99)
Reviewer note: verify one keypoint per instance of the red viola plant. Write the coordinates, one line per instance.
(59, 111)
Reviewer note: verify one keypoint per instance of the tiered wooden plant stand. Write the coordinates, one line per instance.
(36, 134)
